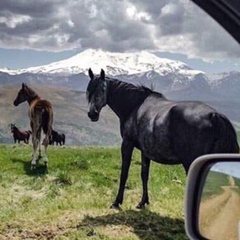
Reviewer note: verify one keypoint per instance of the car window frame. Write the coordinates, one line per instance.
(225, 12)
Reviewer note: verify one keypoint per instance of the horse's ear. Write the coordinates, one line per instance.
(90, 73)
(24, 85)
(102, 74)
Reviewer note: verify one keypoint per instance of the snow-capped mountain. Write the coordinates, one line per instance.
(114, 64)
(226, 84)
(138, 67)
(174, 78)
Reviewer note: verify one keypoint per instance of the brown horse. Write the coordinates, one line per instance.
(41, 118)
(20, 135)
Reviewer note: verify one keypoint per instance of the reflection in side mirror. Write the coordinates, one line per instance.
(219, 209)
(212, 198)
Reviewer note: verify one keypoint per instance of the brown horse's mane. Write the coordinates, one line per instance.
(35, 100)
(32, 95)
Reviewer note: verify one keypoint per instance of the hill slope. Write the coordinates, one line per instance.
(70, 116)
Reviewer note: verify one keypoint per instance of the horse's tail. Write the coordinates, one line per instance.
(63, 135)
(225, 140)
(47, 120)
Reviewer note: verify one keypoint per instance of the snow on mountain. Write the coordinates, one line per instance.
(227, 83)
(114, 64)
(9, 71)
(144, 67)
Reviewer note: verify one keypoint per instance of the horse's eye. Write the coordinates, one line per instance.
(97, 98)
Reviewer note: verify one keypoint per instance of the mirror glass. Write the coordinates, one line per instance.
(219, 212)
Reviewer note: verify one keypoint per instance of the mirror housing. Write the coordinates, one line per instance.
(198, 176)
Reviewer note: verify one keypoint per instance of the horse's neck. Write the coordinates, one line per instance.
(33, 101)
(16, 131)
(123, 98)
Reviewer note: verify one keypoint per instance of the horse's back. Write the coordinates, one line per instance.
(41, 114)
(43, 105)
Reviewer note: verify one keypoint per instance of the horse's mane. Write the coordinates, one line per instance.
(31, 93)
(132, 88)
(133, 92)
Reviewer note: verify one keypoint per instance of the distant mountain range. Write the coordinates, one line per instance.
(167, 76)
(174, 79)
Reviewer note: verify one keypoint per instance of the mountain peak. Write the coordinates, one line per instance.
(114, 63)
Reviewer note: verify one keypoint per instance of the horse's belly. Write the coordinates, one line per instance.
(154, 141)
(161, 153)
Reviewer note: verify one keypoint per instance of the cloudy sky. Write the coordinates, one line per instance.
(34, 32)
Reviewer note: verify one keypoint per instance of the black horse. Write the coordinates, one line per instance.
(167, 132)
(20, 135)
(57, 137)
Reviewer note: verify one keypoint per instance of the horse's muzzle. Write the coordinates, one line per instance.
(94, 116)
(15, 103)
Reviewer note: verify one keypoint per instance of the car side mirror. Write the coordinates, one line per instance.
(212, 198)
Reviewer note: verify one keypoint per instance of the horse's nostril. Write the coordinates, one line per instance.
(89, 114)
(93, 115)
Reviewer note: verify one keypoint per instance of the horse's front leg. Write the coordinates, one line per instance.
(126, 151)
(144, 176)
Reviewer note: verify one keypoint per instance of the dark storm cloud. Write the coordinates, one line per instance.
(24, 23)
(182, 27)
(105, 24)
(123, 25)
(27, 7)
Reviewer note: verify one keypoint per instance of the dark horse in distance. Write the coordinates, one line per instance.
(20, 135)
(57, 137)
(40, 113)
(167, 132)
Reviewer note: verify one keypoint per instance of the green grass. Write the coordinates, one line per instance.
(72, 199)
(237, 181)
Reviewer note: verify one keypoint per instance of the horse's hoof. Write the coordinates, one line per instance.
(33, 167)
(115, 206)
(141, 205)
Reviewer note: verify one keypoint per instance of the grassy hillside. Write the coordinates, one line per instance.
(72, 200)
(70, 116)
(214, 183)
